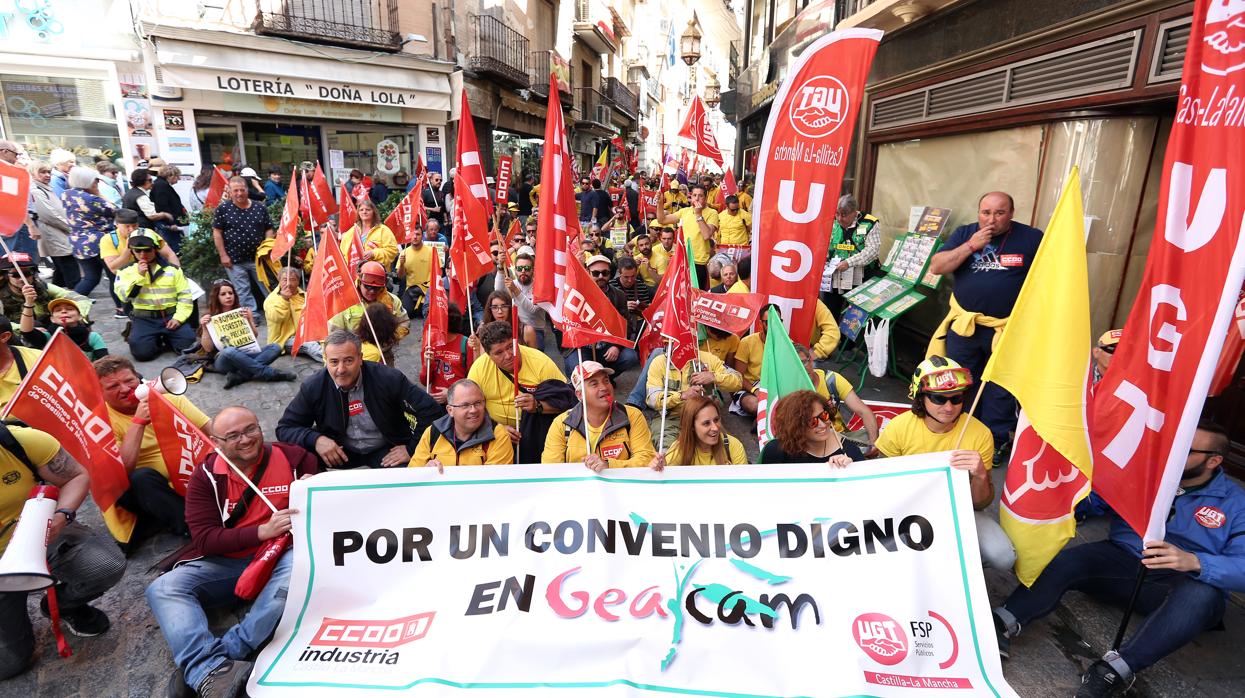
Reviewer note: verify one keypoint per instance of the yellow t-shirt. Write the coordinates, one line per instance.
(745, 201)
(751, 350)
(660, 259)
(16, 480)
(10, 379)
(735, 455)
(739, 287)
(733, 229)
(282, 314)
(417, 265)
(149, 453)
(691, 231)
(721, 348)
(907, 435)
(842, 387)
(499, 388)
(107, 249)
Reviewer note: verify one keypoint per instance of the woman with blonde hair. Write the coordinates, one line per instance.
(702, 438)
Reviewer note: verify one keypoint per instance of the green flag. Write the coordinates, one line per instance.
(781, 372)
(701, 333)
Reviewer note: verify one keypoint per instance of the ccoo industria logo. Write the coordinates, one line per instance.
(820, 107)
(364, 641)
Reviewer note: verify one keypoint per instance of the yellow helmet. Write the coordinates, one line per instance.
(939, 374)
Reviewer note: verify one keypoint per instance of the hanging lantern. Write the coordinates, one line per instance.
(689, 42)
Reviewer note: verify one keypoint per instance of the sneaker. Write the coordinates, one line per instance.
(178, 688)
(83, 621)
(285, 376)
(1101, 680)
(233, 380)
(225, 680)
(119, 314)
(1004, 640)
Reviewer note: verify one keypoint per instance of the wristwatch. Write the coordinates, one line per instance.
(700, 219)
(70, 515)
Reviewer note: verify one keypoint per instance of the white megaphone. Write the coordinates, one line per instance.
(171, 381)
(24, 566)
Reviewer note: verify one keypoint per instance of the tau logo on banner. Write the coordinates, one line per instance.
(819, 107)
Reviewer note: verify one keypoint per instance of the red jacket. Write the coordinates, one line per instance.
(205, 506)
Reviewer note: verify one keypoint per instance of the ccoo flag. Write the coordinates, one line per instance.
(1043, 359)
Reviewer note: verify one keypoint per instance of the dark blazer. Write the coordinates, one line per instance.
(320, 409)
(166, 200)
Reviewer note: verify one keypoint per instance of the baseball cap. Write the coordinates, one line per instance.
(141, 240)
(1110, 338)
(17, 259)
(597, 258)
(58, 302)
(587, 370)
(249, 172)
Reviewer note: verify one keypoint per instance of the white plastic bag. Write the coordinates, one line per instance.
(877, 336)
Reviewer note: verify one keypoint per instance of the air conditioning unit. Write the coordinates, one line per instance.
(604, 114)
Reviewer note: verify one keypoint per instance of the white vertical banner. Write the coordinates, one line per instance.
(706, 581)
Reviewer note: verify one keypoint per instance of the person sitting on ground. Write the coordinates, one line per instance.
(839, 390)
(935, 423)
(356, 413)
(160, 301)
(150, 497)
(449, 362)
(721, 344)
(616, 357)
(667, 387)
(378, 329)
(498, 308)
(702, 440)
(607, 434)
(638, 294)
(228, 525)
(373, 288)
(1188, 575)
(802, 427)
(67, 317)
(520, 287)
(282, 311)
(494, 373)
(378, 243)
(729, 275)
(744, 269)
(465, 436)
(239, 357)
(748, 359)
(114, 250)
(21, 268)
(415, 266)
(84, 563)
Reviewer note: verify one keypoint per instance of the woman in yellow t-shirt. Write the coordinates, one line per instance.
(702, 439)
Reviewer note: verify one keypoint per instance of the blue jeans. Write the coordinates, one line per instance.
(252, 366)
(149, 338)
(627, 358)
(92, 269)
(1178, 607)
(178, 600)
(311, 350)
(639, 394)
(998, 408)
(242, 274)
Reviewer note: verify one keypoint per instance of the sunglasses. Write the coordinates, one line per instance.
(15, 274)
(823, 418)
(371, 287)
(1109, 348)
(937, 399)
(599, 274)
(523, 268)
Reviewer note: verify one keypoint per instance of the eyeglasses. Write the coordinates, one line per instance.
(600, 274)
(232, 437)
(8, 150)
(938, 399)
(527, 267)
(1109, 348)
(823, 418)
(1199, 450)
(468, 405)
(498, 306)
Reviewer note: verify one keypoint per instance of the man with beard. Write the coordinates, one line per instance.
(1188, 575)
(530, 314)
(616, 357)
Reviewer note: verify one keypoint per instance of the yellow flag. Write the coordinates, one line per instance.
(1043, 359)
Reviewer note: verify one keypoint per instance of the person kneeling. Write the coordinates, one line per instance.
(160, 301)
(605, 434)
(465, 436)
(228, 524)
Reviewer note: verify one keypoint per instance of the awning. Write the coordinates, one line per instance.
(199, 66)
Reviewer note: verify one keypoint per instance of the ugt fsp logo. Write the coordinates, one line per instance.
(819, 107)
(1225, 37)
(881, 638)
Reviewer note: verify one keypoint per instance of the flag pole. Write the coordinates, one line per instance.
(9, 253)
(245, 479)
(1132, 604)
(661, 439)
(964, 427)
(583, 400)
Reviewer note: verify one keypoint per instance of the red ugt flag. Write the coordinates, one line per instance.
(329, 292)
(697, 127)
(1147, 407)
(557, 208)
(814, 112)
(14, 192)
(180, 440)
(287, 231)
(61, 396)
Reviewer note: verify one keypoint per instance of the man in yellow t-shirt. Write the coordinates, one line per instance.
(734, 236)
(748, 364)
(699, 224)
(660, 257)
(938, 390)
(415, 266)
(494, 373)
(721, 344)
(151, 497)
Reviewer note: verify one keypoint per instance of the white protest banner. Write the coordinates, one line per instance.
(232, 329)
(708, 581)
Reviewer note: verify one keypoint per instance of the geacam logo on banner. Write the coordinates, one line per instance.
(707, 581)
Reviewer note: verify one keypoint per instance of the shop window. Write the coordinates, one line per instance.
(45, 113)
(283, 145)
(357, 150)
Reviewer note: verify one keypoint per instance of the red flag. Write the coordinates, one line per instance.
(329, 292)
(469, 251)
(504, 165)
(673, 319)
(354, 253)
(437, 326)
(61, 396)
(405, 218)
(322, 203)
(420, 169)
(587, 314)
(696, 127)
(180, 440)
(516, 229)
(216, 190)
(1230, 358)
(814, 112)
(287, 231)
(729, 186)
(256, 575)
(557, 209)
(1146, 408)
(14, 195)
(469, 256)
(733, 312)
(347, 214)
(304, 206)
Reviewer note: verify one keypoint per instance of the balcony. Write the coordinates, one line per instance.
(369, 24)
(500, 51)
(540, 63)
(622, 98)
(594, 26)
(889, 15)
(594, 114)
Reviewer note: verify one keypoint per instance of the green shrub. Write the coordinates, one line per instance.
(198, 255)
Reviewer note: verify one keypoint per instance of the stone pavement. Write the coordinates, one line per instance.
(133, 660)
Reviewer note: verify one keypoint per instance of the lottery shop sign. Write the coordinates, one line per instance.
(707, 581)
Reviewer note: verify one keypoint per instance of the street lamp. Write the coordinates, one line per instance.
(689, 42)
(713, 92)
